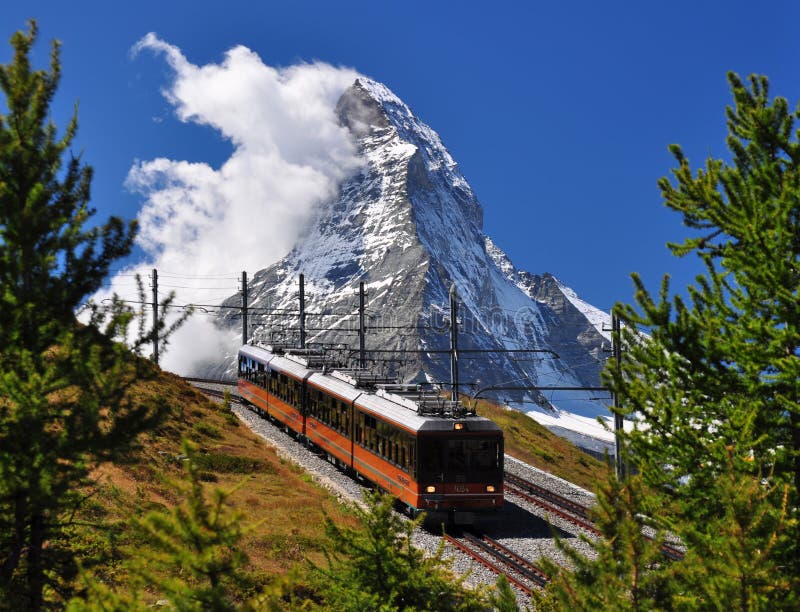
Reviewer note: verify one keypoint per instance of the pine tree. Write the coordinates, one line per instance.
(196, 561)
(377, 567)
(503, 599)
(49, 259)
(65, 400)
(627, 571)
(715, 388)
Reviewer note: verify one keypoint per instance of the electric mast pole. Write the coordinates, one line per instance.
(244, 307)
(616, 349)
(302, 312)
(362, 352)
(453, 344)
(155, 316)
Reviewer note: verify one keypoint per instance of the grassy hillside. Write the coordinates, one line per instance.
(284, 508)
(278, 501)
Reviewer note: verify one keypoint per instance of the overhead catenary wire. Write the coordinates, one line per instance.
(437, 319)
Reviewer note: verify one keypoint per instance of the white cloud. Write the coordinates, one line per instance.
(289, 155)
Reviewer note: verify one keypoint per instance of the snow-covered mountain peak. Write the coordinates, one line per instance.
(409, 226)
(376, 116)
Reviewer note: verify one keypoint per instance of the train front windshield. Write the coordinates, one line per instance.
(461, 459)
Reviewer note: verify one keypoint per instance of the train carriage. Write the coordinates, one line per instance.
(432, 455)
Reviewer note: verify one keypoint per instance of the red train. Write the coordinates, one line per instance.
(430, 453)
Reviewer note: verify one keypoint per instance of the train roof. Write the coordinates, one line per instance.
(256, 352)
(335, 386)
(276, 362)
(400, 409)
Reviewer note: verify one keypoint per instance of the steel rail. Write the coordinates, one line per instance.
(560, 500)
(509, 557)
(488, 564)
(538, 501)
(211, 381)
(514, 484)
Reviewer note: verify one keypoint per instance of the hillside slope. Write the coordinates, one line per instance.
(279, 502)
(281, 506)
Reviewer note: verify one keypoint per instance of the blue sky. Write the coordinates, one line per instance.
(559, 114)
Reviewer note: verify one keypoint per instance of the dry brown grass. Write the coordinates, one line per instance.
(282, 507)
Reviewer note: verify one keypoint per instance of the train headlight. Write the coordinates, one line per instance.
(458, 426)
(490, 488)
(430, 489)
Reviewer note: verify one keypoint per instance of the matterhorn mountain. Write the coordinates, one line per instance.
(409, 227)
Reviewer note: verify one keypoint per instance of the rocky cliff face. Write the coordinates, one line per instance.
(409, 226)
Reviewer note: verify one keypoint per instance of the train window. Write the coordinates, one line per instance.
(312, 397)
(430, 459)
(450, 458)
(345, 419)
(359, 432)
(281, 389)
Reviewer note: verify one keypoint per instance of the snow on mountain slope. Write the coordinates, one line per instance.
(600, 319)
(409, 226)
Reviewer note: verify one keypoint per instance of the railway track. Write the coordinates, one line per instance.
(211, 381)
(501, 560)
(220, 394)
(200, 384)
(551, 502)
(566, 509)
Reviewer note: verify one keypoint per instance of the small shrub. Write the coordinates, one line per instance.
(225, 408)
(207, 429)
(223, 462)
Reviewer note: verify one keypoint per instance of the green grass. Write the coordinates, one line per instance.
(208, 430)
(229, 463)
